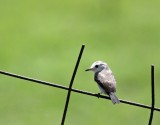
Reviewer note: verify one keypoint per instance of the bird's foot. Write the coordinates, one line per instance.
(98, 95)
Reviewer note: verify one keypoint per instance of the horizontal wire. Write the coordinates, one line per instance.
(75, 90)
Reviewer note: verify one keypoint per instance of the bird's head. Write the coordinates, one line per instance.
(97, 66)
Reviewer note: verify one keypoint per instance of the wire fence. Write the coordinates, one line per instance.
(70, 89)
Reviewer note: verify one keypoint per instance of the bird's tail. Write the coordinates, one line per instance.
(114, 98)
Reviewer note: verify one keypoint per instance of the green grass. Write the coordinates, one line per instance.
(42, 39)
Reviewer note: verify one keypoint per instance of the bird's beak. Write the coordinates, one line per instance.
(90, 69)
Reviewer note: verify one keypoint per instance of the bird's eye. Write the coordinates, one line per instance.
(96, 66)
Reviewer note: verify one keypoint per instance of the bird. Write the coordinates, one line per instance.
(105, 80)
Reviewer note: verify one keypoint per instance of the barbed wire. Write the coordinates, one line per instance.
(75, 90)
(70, 89)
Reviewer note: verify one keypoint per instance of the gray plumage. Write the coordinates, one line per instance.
(105, 80)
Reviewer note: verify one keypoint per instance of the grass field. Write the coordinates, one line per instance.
(42, 39)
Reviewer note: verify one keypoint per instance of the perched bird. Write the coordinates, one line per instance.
(105, 80)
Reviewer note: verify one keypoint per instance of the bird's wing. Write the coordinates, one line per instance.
(106, 78)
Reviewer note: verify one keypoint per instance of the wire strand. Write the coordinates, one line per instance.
(152, 95)
(70, 85)
(74, 90)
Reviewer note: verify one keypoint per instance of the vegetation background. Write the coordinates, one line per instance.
(42, 39)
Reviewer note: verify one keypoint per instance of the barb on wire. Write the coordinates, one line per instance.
(74, 90)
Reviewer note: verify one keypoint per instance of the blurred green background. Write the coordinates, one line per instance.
(42, 39)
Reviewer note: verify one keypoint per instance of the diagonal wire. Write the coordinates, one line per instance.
(70, 85)
(152, 95)
(74, 90)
